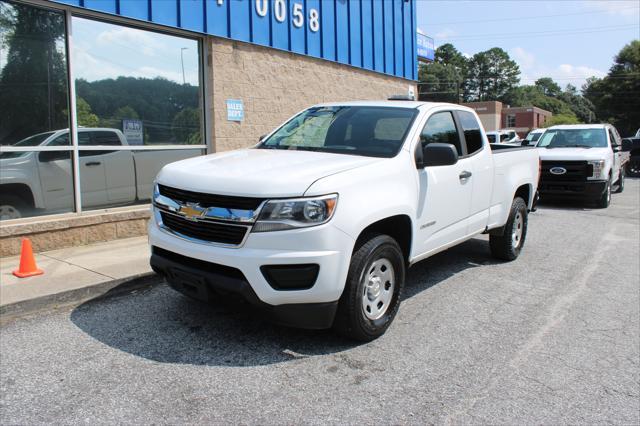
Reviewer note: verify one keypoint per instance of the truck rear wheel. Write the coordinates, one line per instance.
(508, 245)
(371, 296)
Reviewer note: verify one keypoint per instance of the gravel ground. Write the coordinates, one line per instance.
(550, 338)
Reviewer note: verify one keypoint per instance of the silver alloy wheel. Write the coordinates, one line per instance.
(379, 283)
(9, 212)
(518, 230)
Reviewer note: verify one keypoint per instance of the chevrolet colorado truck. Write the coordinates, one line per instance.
(583, 161)
(318, 223)
(32, 182)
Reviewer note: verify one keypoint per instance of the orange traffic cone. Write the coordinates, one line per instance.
(27, 266)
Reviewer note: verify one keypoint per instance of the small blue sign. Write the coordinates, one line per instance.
(132, 130)
(235, 110)
(426, 48)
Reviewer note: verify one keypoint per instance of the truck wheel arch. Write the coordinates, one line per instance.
(19, 190)
(398, 227)
(524, 192)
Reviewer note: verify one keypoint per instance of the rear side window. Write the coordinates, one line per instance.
(441, 128)
(472, 133)
(105, 138)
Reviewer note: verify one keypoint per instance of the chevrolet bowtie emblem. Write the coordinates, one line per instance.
(192, 211)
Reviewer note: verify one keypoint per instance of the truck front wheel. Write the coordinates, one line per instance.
(371, 297)
(12, 207)
(508, 245)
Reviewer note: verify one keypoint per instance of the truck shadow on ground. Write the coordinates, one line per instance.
(163, 326)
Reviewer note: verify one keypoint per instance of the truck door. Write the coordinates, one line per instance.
(118, 167)
(56, 175)
(445, 191)
(482, 163)
(617, 155)
(93, 183)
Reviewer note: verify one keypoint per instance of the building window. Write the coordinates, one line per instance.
(138, 106)
(511, 120)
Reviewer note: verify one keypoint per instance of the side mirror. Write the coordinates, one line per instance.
(436, 154)
(627, 145)
(524, 143)
(616, 148)
(261, 138)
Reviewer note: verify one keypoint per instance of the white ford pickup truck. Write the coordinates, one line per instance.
(318, 223)
(582, 161)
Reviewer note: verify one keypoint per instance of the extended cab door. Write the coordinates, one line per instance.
(481, 158)
(444, 191)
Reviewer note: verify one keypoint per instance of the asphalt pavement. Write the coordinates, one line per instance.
(553, 337)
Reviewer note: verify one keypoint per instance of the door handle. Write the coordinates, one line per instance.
(93, 163)
(465, 175)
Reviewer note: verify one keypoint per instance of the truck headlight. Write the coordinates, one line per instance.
(598, 169)
(278, 215)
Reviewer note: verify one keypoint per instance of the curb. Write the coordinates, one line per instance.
(78, 296)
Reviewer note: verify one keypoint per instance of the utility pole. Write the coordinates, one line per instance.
(182, 49)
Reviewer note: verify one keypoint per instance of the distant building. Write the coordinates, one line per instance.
(494, 116)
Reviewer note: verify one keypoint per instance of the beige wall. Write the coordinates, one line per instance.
(274, 85)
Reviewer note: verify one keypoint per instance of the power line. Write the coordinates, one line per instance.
(518, 18)
(585, 30)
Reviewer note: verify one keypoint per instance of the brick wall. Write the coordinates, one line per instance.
(274, 85)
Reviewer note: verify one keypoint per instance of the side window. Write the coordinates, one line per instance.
(441, 128)
(105, 138)
(62, 140)
(472, 132)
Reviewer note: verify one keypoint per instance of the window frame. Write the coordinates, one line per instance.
(464, 138)
(461, 140)
(204, 74)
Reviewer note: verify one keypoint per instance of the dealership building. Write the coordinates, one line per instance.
(97, 95)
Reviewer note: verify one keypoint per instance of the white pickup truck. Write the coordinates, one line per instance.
(582, 161)
(318, 223)
(42, 181)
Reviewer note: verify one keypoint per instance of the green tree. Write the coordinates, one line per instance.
(33, 82)
(548, 87)
(442, 80)
(491, 74)
(186, 126)
(617, 96)
(85, 117)
(562, 119)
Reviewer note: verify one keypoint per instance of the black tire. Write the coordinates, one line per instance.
(12, 207)
(620, 182)
(508, 245)
(351, 319)
(633, 166)
(605, 199)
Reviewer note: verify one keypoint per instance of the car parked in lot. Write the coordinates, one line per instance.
(43, 180)
(533, 137)
(583, 161)
(317, 224)
(503, 136)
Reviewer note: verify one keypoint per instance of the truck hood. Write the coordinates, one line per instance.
(573, 154)
(258, 172)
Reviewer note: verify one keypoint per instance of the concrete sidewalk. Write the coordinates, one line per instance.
(75, 274)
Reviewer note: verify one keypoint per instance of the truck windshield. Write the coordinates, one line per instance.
(533, 137)
(356, 130)
(572, 138)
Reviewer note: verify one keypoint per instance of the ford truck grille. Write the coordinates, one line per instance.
(576, 171)
(205, 230)
(210, 200)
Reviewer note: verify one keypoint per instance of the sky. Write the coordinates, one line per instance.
(563, 39)
(102, 50)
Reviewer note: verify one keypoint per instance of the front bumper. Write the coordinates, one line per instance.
(325, 246)
(585, 189)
